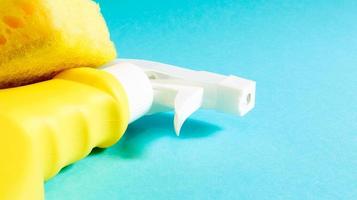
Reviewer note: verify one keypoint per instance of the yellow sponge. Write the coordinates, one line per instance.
(39, 38)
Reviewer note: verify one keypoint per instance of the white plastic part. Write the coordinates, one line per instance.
(181, 90)
(136, 85)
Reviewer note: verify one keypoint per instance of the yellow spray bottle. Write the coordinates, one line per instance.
(49, 125)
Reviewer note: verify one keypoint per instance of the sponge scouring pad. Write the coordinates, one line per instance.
(39, 38)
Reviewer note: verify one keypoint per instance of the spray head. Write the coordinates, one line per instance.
(154, 87)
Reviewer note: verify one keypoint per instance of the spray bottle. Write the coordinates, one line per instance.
(49, 125)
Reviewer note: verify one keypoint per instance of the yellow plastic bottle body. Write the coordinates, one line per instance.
(47, 126)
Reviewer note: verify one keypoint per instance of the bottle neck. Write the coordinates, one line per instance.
(136, 85)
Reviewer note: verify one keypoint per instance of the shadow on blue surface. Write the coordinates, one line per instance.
(145, 131)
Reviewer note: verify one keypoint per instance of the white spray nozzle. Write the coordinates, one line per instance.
(185, 91)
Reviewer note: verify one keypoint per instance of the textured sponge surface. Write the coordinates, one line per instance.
(39, 38)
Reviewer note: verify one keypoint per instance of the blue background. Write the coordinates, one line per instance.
(300, 142)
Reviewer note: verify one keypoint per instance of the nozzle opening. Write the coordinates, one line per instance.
(249, 98)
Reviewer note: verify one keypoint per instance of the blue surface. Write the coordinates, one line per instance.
(300, 142)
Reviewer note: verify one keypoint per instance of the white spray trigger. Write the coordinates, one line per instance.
(185, 91)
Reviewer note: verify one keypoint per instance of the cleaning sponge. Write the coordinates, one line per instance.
(39, 38)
